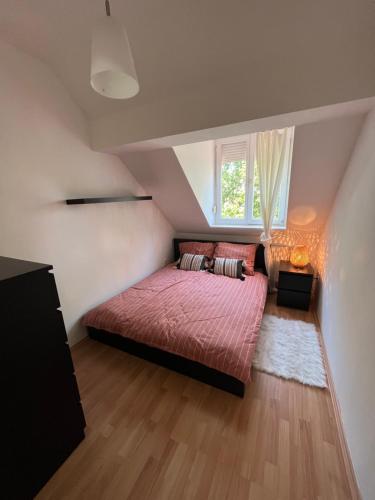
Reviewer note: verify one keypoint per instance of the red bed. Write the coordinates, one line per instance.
(209, 319)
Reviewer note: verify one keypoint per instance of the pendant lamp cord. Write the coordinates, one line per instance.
(107, 8)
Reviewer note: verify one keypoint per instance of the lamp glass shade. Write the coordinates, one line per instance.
(299, 256)
(112, 67)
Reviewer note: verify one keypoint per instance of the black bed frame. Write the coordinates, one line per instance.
(174, 362)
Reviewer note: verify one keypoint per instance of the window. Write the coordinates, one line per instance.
(237, 183)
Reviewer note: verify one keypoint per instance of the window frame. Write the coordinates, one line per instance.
(248, 220)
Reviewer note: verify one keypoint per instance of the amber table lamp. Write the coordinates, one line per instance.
(299, 256)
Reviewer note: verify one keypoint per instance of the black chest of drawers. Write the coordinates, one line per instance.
(42, 420)
(294, 286)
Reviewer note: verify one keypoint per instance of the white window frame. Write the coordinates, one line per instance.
(248, 220)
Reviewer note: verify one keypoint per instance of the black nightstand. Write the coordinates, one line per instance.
(294, 288)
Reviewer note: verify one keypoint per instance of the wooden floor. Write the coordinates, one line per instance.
(154, 434)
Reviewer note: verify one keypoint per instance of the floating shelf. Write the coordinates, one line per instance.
(113, 199)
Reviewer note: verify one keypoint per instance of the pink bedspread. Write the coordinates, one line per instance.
(211, 319)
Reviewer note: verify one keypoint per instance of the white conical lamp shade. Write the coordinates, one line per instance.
(112, 67)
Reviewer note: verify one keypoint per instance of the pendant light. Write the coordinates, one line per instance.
(112, 67)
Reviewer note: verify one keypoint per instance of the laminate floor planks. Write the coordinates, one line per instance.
(154, 434)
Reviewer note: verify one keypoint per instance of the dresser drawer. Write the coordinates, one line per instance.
(52, 326)
(302, 283)
(36, 450)
(45, 289)
(52, 445)
(26, 298)
(53, 399)
(289, 298)
(30, 345)
(48, 332)
(57, 363)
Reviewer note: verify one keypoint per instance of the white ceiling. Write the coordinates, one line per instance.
(318, 51)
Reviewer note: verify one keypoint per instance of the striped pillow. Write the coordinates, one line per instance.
(238, 251)
(192, 262)
(228, 267)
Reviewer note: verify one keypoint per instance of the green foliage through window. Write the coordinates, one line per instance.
(233, 190)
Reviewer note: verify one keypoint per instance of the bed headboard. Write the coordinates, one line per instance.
(259, 265)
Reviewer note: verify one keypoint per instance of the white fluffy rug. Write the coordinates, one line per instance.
(290, 349)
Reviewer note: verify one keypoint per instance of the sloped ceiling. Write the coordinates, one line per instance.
(161, 175)
(321, 154)
(204, 64)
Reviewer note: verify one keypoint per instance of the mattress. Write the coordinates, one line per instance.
(211, 319)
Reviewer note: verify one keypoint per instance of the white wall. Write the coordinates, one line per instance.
(347, 304)
(96, 250)
(198, 163)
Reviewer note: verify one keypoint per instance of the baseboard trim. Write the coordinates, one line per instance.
(348, 464)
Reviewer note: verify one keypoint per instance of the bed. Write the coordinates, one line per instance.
(200, 324)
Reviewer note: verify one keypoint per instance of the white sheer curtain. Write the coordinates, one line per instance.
(271, 151)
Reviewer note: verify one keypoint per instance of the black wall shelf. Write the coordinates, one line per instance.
(113, 199)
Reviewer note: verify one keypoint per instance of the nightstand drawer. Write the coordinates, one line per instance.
(296, 282)
(289, 298)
